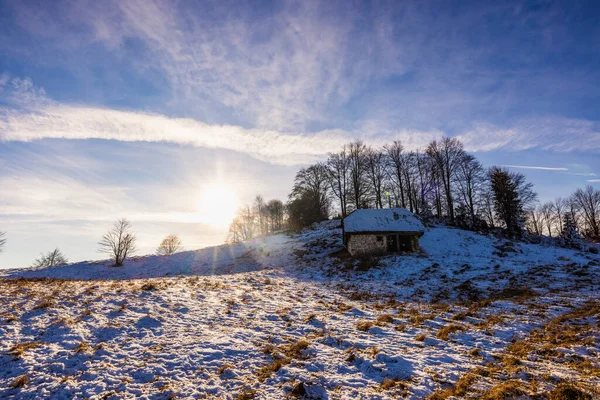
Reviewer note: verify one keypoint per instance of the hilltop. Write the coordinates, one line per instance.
(469, 316)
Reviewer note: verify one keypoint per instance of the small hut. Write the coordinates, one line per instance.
(386, 230)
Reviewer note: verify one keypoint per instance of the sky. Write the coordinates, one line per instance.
(138, 109)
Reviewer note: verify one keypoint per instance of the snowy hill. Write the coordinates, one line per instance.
(471, 316)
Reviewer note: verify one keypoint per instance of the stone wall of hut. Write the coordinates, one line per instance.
(367, 244)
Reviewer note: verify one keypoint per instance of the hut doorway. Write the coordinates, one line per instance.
(404, 243)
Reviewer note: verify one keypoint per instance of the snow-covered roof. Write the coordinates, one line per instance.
(383, 220)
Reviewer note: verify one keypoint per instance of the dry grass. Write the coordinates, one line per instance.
(265, 372)
(421, 337)
(247, 394)
(505, 390)
(568, 391)
(290, 352)
(149, 286)
(389, 384)
(364, 326)
(459, 389)
(445, 331)
(19, 349)
(82, 347)
(295, 350)
(310, 317)
(20, 381)
(224, 368)
(43, 304)
(384, 319)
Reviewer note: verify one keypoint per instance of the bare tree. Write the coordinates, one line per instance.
(535, 221)
(312, 182)
(261, 213)
(50, 259)
(171, 244)
(2, 241)
(471, 181)
(560, 207)
(487, 208)
(588, 202)
(376, 173)
(358, 180)
(396, 166)
(243, 226)
(338, 167)
(119, 242)
(447, 154)
(275, 210)
(547, 212)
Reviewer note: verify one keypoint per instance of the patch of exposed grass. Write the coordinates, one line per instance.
(389, 384)
(295, 350)
(445, 331)
(458, 389)
(421, 337)
(266, 371)
(148, 286)
(384, 319)
(43, 304)
(364, 326)
(224, 368)
(19, 349)
(247, 394)
(82, 347)
(568, 391)
(505, 390)
(20, 381)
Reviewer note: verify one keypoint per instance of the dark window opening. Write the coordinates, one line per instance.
(392, 244)
(379, 238)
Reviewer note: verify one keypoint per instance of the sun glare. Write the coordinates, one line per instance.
(217, 205)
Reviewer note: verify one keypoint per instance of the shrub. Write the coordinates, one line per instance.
(171, 244)
(51, 259)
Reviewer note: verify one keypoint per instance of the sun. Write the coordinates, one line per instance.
(217, 205)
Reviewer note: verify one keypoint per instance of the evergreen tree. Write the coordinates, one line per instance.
(570, 236)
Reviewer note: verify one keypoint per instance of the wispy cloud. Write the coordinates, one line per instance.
(594, 180)
(548, 133)
(38, 117)
(536, 167)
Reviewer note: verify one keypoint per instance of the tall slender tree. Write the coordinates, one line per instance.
(376, 173)
(397, 165)
(338, 167)
(359, 188)
(447, 154)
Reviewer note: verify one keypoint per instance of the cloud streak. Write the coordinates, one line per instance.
(536, 167)
(72, 122)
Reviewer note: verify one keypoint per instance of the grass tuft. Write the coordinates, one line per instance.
(20, 381)
(445, 331)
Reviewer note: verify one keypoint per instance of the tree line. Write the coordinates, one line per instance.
(440, 181)
(260, 218)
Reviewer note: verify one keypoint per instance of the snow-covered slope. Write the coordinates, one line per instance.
(281, 316)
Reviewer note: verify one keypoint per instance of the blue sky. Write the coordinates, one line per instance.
(131, 108)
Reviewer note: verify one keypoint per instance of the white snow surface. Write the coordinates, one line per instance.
(202, 324)
(383, 220)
